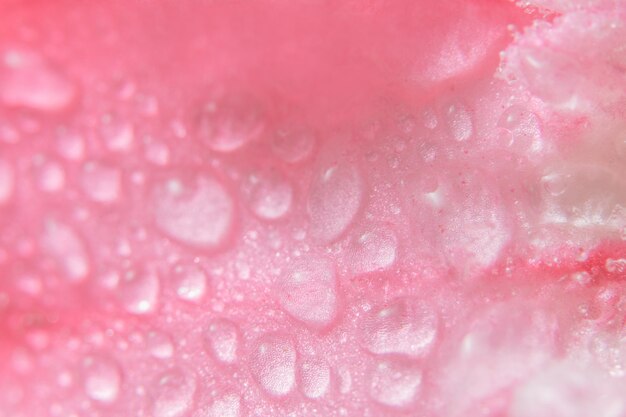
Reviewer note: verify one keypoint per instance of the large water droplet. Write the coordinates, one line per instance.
(139, 292)
(229, 121)
(173, 394)
(7, 180)
(404, 327)
(103, 379)
(28, 80)
(273, 364)
(372, 250)
(315, 378)
(227, 406)
(101, 182)
(66, 247)
(459, 122)
(395, 384)
(190, 282)
(293, 144)
(222, 340)
(308, 291)
(268, 194)
(335, 197)
(199, 213)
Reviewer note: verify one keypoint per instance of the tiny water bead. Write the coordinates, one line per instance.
(117, 133)
(315, 378)
(159, 345)
(101, 183)
(66, 247)
(273, 364)
(404, 327)
(459, 121)
(293, 143)
(199, 212)
(103, 379)
(173, 393)
(221, 339)
(190, 282)
(335, 197)
(230, 120)
(50, 175)
(228, 405)
(308, 291)
(28, 80)
(372, 249)
(139, 291)
(268, 194)
(395, 384)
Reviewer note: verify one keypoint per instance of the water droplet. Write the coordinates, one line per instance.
(554, 184)
(173, 394)
(70, 145)
(50, 175)
(139, 292)
(315, 378)
(190, 282)
(28, 80)
(101, 182)
(159, 345)
(227, 406)
(200, 213)
(103, 379)
(273, 364)
(395, 384)
(229, 121)
(268, 194)
(158, 153)
(404, 327)
(429, 119)
(7, 181)
(335, 197)
(62, 243)
(118, 134)
(222, 340)
(308, 291)
(373, 250)
(459, 122)
(293, 144)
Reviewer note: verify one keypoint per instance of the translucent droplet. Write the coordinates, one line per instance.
(308, 291)
(68, 250)
(7, 181)
(404, 327)
(199, 213)
(293, 144)
(227, 406)
(395, 385)
(335, 197)
(373, 250)
(139, 292)
(118, 134)
(459, 122)
(50, 175)
(103, 379)
(70, 145)
(268, 194)
(221, 340)
(190, 282)
(554, 184)
(173, 394)
(158, 153)
(273, 364)
(28, 80)
(159, 345)
(315, 378)
(229, 121)
(101, 183)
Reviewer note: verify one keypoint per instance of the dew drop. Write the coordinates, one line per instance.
(190, 282)
(372, 250)
(335, 197)
(395, 384)
(308, 291)
(139, 292)
(50, 175)
(554, 184)
(199, 214)
(315, 378)
(268, 195)
(101, 182)
(70, 145)
(229, 121)
(221, 340)
(173, 393)
(404, 327)
(117, 133)
(227, 406)
(68, 250)
(273, 364)
(28, 80)
(293, 144)
(103, 379)
(459, 122)
(7, 181)
(159, 345)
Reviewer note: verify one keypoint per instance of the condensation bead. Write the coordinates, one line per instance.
(68, 250)
(139, 292)
(228, 405)
(101, 183)
(293, 143)
(315, 378)
(268, 194)
(395, 384)
(173, 393)
(190, 282)
(372, 249)
(273, 364)
(103, 379)
(221, 339)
